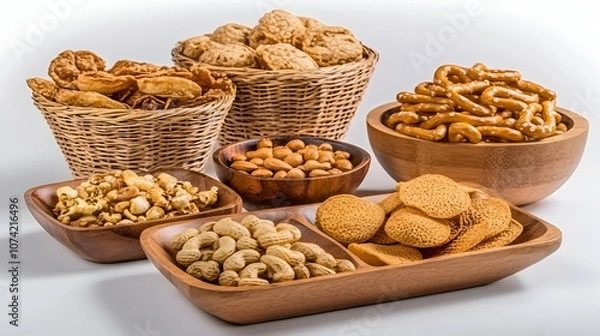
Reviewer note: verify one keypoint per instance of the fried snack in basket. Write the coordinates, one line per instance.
(328, 50)
(104, 82)
(43, 87)
(477, 104)
(283, 56)
(127, 84)
(68, 65)
(87, 99)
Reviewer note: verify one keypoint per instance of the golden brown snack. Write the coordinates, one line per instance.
(277, 26)
(461, 131)
(195, 46)
(503, 238)
(436, 134)
(403, 117)
(43, 87)
(69, 64)
(412, 227)
(231, 33)
(87, 99)
(495, 211)
(390, 203)
(173, 87)
(283, 56)
(140, 100)
(104, 82)
(229, 55)
(134, 68)
(328, 50)
(349, 219)
(381, 255)
(436, 195)
(381, 237)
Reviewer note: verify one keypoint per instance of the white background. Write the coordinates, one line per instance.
(552, 42)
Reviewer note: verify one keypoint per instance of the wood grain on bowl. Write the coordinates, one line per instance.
(261, 192)
(521, 173)
(119, 243)
(366, 285)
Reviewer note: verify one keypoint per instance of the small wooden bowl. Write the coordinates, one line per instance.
(261, 192)
(366, 285)
(119, 243)
(521, 173)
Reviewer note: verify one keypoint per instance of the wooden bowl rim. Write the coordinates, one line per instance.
(34, 205)
(365, 159)
(580, 126)
(152, 248)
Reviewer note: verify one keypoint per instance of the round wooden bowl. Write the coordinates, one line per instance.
(521, 173)
(262, 193)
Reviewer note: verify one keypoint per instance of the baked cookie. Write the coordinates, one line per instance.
(231, 33)
(333, 49)
(229, 55)
(195, 46)
(277, 26)
(283, 56)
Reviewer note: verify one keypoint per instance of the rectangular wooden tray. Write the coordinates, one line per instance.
(367, 285)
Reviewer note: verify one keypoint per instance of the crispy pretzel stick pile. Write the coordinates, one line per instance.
(477, 104)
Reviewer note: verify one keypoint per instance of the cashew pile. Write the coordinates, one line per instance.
(253, 252)
(294, 160)
(124, 197)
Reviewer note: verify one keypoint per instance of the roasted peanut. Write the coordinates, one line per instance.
(258, 162)
(253, 270)
(314, 164)
(289, 227)
(334, 171)
(280, 174)
(180, 238)
(294, 159)
(344, 265)
(278, 238)
(229, 278)
(204, 270)
(325, 156)
(343, 164)
(239, 157)
(318, 270)
(326, 147)
(291, 257)
(311, 154)
(246, 243)
(208, 226)
(247, 282)
(249, 222)
(227, 227)
(263, 227)
(311, 251)
(326, 260)
(318, 172)
(296, 173)
(188, 256)
(277, 269)
(240, 259)
(301, 272)
(224, 248)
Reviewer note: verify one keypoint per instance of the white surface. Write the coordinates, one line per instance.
(552, 42)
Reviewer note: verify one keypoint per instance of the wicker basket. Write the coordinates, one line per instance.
(318, 103)
(98, 140)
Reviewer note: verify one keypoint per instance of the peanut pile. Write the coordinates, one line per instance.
(294, 160)
(252, 252)
(124, 197)
(428, 216)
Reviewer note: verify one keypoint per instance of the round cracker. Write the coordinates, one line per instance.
(504, 238)
(381, 255)
(413, 227)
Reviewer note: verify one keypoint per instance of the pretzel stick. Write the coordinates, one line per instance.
(409, 118)
(504, 133)
(450, 117)
(525, 125)
(541, 91)
(458, 131)
(430, 89)
(426, 108)
(440, 77)
(436, 134)
(465, 104)
(481, 72)
(468, 88)
(413, 98)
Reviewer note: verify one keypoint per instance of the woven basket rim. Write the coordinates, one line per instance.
(369, 56)
(40, 100)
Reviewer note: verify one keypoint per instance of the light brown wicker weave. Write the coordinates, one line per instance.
(318, 103)
(95, 140)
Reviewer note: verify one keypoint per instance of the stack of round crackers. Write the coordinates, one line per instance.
(280, 41)
(429, 216)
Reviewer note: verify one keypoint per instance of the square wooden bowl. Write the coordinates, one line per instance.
(119, 243)
(366, 285)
